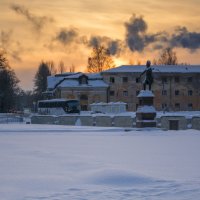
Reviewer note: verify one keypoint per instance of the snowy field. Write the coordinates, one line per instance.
(47, 162)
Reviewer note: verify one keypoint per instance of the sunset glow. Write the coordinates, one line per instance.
(31, 31)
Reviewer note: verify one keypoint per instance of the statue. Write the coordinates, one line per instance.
(148, 75)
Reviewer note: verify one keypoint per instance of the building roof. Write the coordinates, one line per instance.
(72, 80)
(156, 69)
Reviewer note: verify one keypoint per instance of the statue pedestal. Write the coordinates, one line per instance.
(146, 113)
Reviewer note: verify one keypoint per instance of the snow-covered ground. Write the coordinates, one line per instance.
(64, 162)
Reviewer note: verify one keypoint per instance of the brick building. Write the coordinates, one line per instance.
(175, 87)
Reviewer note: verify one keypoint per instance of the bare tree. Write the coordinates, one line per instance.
(51, 66)
(61, 67)
(72, 68)
(100, 60)
(167, 57)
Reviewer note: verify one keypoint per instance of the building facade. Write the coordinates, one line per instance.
(175, 87)
(87, 88)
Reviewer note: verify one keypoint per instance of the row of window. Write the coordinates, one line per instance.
(177, 92)
(164, 93)
(164, 79)
(125, 93)
(124, 80)
(177, 79)
(177, 106)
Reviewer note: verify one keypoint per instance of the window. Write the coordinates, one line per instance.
(177, 92)
(112, 93)
(112, 80)
(125, 79)
(164, 79)
(177, 106)
(136, 106)
(164, 92)
(164, 106)
(84, 97)
(125, 93)
(137, 92)
(190, 106)
(83, 79)
(189, 79)
(84, 107)
(190, 92)
(177, 79)
(137, 80)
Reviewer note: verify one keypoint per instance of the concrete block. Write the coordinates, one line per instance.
(105, 121)
(196, 123)
(123, 121)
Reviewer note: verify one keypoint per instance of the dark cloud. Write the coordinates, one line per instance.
(67, 35)
(137, 37)
(5, 38)
(114, 46)
(185, 39)
(37, 21)
(135, 33)
(12, 47)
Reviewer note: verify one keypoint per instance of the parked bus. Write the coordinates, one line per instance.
(58, 106)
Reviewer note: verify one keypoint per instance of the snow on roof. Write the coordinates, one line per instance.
(146, 109)
(94, 76)
(52, 100)
(156, 69)
(89, 75)
(52, 81)
(145, 93)
(71, 80)
(110, 103)
(65, 74)
(75, 83)
(74, 76)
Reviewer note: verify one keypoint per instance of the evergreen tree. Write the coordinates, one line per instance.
(40, 81)
(100, 60)
(8, 85)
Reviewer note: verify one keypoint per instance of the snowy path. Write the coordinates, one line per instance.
(59, 162)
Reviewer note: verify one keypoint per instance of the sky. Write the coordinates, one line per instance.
(133, 30)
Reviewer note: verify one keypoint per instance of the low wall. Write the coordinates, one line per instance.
(85, 121)
(67, 120)
(196, 123)
(43, 119)
(103, 121)
(123, 121)
(167, 120)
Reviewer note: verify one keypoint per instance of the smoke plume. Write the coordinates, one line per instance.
(185, 39)
(66, 35)
(37, 21)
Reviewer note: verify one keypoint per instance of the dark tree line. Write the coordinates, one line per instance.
(9, 88)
